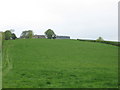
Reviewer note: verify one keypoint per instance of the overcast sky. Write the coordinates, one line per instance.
(86, 19)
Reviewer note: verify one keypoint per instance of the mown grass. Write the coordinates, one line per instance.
(43, 63)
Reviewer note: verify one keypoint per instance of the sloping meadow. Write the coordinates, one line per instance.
(44, 63)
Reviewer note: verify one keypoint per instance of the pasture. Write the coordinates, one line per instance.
(44, 63)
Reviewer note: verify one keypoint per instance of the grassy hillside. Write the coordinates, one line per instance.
(43, 63)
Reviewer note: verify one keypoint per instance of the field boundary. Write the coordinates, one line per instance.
(105, 42)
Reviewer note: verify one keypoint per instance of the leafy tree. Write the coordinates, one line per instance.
(8, 35)
(100, 39)
(50, 34)
(13, 36)
(27, 34)
(23, 34)
(30, 34)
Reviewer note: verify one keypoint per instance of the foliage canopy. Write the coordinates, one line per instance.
(27, 34)
(50, 34)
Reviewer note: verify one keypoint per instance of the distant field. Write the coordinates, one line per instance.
(43, 63)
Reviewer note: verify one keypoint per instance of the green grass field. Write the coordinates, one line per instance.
(43, 63)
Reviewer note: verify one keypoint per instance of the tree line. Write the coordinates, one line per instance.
(27, 34)
(8, 34)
